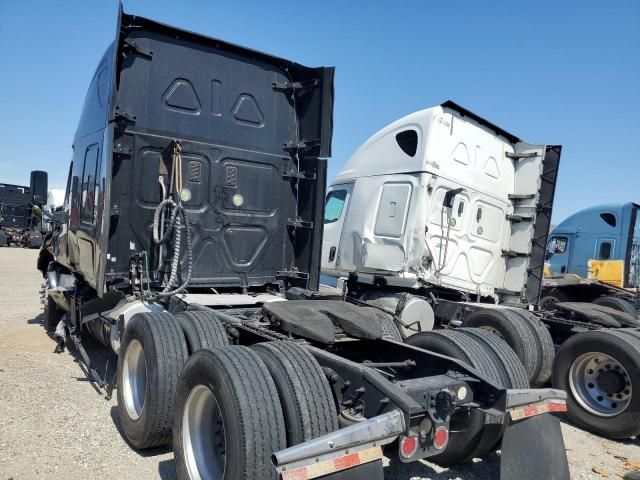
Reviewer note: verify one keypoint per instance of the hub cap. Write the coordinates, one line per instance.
(203, 435)
(134, 373)
(600, 384)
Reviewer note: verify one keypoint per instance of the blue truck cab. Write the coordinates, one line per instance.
(604, 232)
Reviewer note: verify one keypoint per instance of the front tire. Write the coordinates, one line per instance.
(600, 371)
(152, 353)
(228, 418)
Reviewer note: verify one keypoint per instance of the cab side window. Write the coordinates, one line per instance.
(333, 205)
(604, 253)
(557, 245)
(89, 188)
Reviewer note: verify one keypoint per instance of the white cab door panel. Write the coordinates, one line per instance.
(335, 211)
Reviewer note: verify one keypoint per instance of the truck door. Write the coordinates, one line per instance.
(558, 251)
(335, 212)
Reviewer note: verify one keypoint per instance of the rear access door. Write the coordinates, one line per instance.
(252, 129)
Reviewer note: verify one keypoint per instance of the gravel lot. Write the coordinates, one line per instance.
(53, 424)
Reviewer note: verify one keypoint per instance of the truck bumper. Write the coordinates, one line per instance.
(532, 437)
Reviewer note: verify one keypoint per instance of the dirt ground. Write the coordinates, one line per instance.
(54, 425)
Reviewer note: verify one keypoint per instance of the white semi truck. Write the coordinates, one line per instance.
(441, 219)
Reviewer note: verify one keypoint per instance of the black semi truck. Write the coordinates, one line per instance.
(189, 243)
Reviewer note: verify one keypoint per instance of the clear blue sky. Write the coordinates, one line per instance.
(563, 72)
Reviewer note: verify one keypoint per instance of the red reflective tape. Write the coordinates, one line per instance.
(558, 407)
(320, 469)
(297, 474)
(348, 461)
(530, 410)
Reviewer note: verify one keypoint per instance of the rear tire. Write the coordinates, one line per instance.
(464, 445)
(202, 330)
(600, 371)
(510, 327)
(228, 418)
(513, 376)
(553, 296)
(512, 372)
(305, 395)
(617, 304)
(544, 343)
(152, 353)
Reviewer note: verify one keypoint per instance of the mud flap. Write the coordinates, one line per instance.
(532, 449)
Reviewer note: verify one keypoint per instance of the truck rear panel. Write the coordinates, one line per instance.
(252, 128)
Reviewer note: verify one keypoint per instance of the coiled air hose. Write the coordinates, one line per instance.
(177, 217)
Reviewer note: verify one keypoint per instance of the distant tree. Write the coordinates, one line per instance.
(36, 215)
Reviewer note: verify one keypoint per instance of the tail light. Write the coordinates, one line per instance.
(440, 437)
(408, 446)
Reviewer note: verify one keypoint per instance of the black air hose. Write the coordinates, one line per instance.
(177, 216)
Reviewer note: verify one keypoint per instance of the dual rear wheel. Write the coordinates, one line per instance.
(225, 408)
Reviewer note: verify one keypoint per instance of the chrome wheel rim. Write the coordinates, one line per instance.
(134, 373)
(203, 435)
(600, 384)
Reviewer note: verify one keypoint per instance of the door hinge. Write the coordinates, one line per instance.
(121, 149)
(297, 145)
(519, 218)
(292, 274)
(299, 223)
(131, 45)
(121, 116)
(504, 291)
(298, 175)
(517, 196)
(514, 254)
(519, 155)
(295, 86)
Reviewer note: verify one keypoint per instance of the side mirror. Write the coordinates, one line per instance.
(59, 217)
(39, 187)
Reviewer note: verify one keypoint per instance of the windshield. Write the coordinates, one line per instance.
(634, 258)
